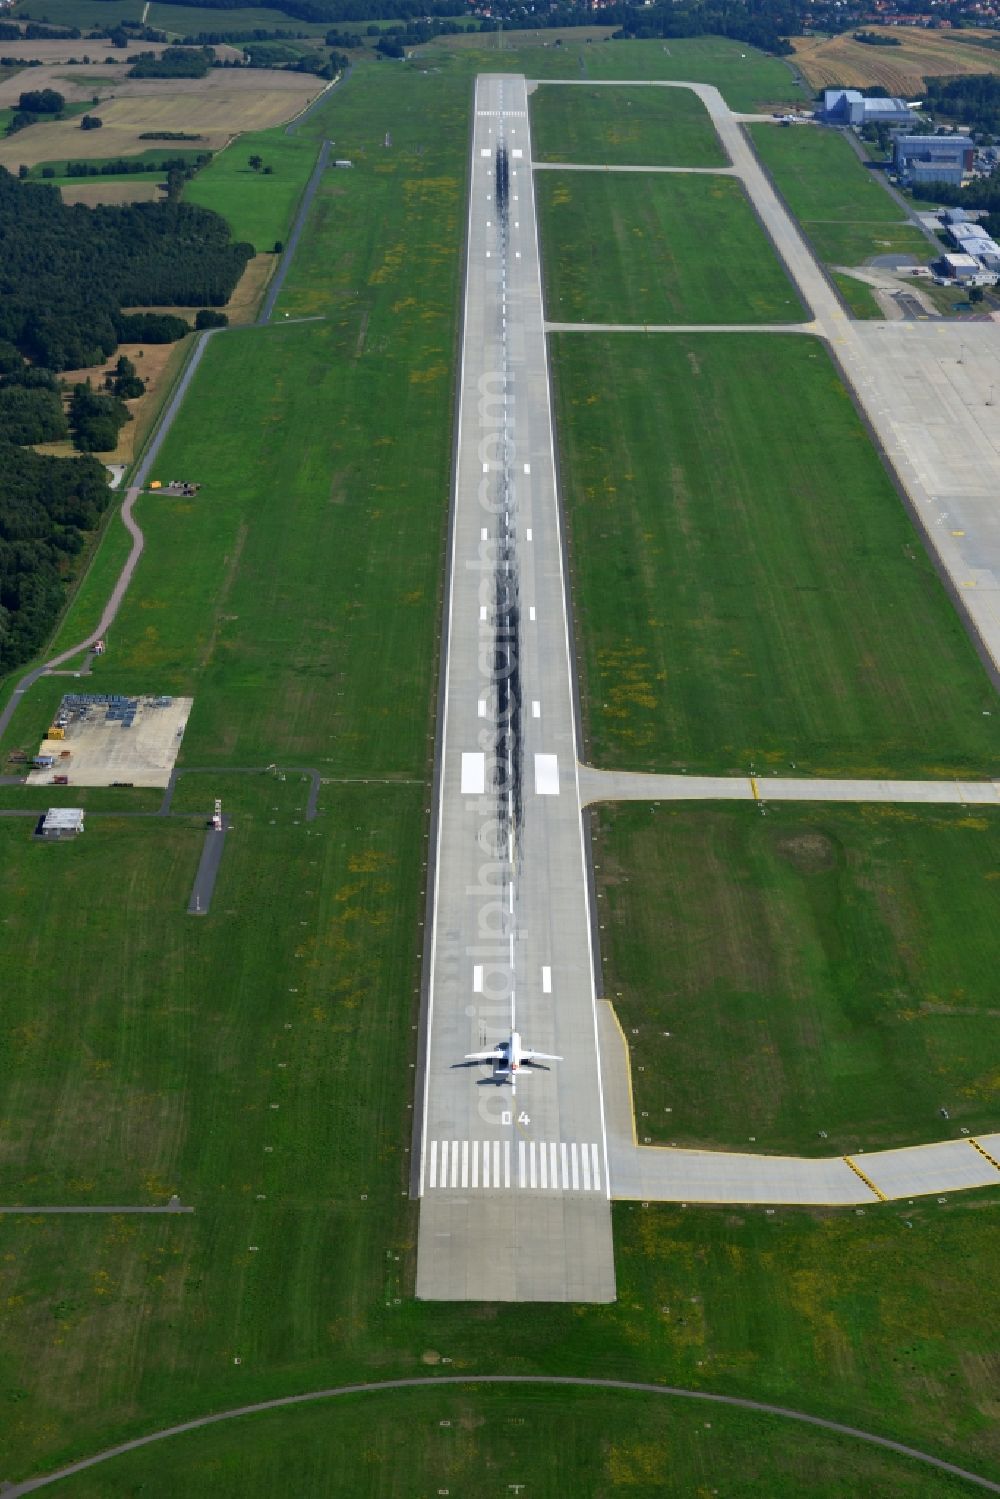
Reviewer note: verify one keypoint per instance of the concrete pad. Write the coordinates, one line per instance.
(99, 750)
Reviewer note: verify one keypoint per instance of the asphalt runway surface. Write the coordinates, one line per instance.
(514, 1184)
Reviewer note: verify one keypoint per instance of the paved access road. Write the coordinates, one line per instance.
(640, 786)
(514, 1187)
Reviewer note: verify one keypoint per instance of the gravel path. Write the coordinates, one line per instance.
(29, 1486)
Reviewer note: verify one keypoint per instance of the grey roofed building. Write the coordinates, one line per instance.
(62, 822)
(932, 158)
(848, 106)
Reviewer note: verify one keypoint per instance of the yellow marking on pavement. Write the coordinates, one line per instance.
(984, 1152)
(866, 1179)
(958, 533)
(753, 788)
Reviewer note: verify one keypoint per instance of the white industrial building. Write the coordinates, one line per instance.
(61, 822)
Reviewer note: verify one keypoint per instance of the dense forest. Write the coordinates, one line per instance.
(66, 271)
(47, 507)
(973, 101)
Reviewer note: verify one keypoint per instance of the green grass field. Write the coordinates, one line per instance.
(258, 208)
(83, 13)
(637, 249)
(747, 79)
(552, 1442)
(186, 20)
(859, 297)
(748, 588)
(844, 210)
(181, 20)
(638, 127)
(884, 1319)
(823, 968)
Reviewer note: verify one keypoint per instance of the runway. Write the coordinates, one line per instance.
(515, 1196)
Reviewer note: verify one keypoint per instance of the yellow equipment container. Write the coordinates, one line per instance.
(56, 733)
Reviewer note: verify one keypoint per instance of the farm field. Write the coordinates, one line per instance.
(747, 79)
(184, 20)
(568, 1441)
(258, 208)
(826, 61)
(107, 190)
(215, 107)
(847, 215)
(749, 590)
(637, 127)
(180, 20)
(637, 249)
(819, 969)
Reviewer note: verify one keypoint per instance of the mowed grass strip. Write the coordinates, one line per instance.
(297, 595)
(259, 208)
(749, 590)
(631, 248)
(848, 216)
(593, 1442)
(152, 1066)
(884, 1319)
(823, 972)
(652, 126)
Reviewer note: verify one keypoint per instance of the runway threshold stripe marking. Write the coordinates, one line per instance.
(542, 1165)
(477, 978)
(536, 710)
(531, 612)
(546, 980)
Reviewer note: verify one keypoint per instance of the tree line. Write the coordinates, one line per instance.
(48, 506)
(67, 270)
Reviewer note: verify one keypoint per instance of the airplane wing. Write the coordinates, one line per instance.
(540, 1056)
(496, 1055)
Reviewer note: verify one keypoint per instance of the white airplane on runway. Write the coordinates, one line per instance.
(508, 1057)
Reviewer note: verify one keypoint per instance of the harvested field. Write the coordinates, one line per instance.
(824, 61)
(216, 107)
(94, 192)
(80, 48)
